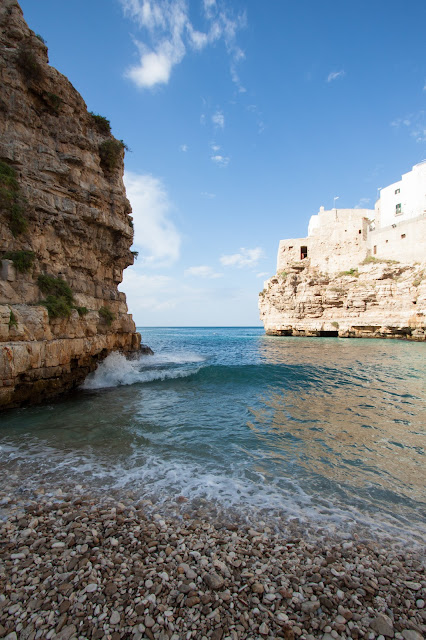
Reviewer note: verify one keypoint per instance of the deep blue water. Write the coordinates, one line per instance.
(324, 430)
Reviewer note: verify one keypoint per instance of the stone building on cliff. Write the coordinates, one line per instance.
(65, 226)
(358, 273)
(339, 239)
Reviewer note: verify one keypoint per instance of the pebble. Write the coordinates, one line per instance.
(383, 625)
(115, 618)
(83, 569)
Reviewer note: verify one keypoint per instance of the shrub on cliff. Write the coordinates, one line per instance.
(59, 296)
(55, 287)
(110, 152)
(28, 64)
(11, 199)
(101, 123)
(22, 260)
(106, 315)
(52, 101)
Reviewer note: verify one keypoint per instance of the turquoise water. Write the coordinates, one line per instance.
(322, 430)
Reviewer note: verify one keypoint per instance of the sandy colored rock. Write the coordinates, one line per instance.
(377, 300)
(78, 221)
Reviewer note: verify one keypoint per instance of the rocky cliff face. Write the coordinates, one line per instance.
(380, 299)
(65, 228)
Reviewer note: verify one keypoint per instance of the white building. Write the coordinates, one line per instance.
(404, 199)
(339, 239)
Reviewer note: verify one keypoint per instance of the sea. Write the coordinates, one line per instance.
(226, 422)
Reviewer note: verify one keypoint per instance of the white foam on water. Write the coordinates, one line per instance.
(163, 481)
(117, 370)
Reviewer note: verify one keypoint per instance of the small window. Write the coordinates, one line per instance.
(398, 208)
(375, 249)
(303, 252)
(397, 191)
(359, 231)
(387, 240)
(402, 235)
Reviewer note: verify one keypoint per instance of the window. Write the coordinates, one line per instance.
(375, 249)
(359, 231)
(398, 209)
(387, 240)
(403, 235)
(303, 252)
(397, 191)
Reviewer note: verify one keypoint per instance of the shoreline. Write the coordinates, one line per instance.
(74, 567)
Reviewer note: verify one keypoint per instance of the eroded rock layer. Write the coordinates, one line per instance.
(379, 299)
(63, 214)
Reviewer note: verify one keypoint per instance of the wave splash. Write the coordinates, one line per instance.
(116, 370)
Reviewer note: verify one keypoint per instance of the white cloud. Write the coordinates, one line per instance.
(184, 147)
(414, 123)
(215, 147)
(208, 195)
(221, 161)
(218, 119)
(203, 271)
(155, 234)
(149, 293)
(263, 274)
(362, 204)
(335, 74)
(246, 258)
(167, 26)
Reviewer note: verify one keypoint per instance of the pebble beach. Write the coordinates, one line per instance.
(80, 568)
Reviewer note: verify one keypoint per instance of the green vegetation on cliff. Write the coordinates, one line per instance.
(11, 199)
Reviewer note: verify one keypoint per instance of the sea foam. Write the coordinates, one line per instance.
(117, 370)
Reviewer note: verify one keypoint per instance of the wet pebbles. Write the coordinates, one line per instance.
(80, 568)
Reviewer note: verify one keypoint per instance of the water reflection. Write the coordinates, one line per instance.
(347, 417)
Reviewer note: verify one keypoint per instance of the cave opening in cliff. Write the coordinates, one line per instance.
(303, 252)
(329, 334)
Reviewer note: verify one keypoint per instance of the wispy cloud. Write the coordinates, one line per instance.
(246, 258)
(155, 234)
(218, 119)
(221, 161)
(414, 124)
(170, 33)
(362, 204)
(208, 195)
(184, 147)
(203, 271)
(263, 274)
(260, 123)
(333, 75)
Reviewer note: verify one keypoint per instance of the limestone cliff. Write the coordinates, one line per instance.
(65, 228)
(376, 299)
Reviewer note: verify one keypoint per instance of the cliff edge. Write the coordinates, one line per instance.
(376, 299)
(65, 228)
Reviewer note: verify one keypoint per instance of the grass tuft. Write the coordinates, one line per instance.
(28, 64)
(11, 199)
(101, 123)
(22, 260)
(111, 152)
(12, 320)
(106, 315)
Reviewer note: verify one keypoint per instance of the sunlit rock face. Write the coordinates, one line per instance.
(62, 200)
(373, 300)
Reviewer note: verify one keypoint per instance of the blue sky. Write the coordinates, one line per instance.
(243, 118)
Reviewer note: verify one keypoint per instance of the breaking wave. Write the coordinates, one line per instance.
(117, 370)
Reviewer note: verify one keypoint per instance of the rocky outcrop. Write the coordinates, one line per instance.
(377, 299)
(65, 228)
